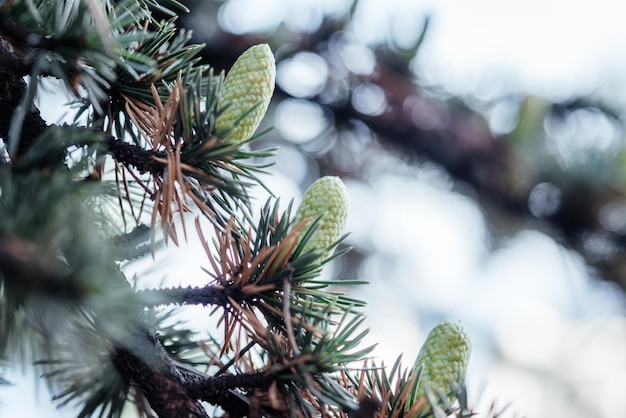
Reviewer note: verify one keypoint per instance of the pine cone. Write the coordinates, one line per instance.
(248, 87)
(326, 197)
(443, 360)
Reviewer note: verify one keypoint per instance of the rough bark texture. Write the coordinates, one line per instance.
(143, 361)
(12, 90)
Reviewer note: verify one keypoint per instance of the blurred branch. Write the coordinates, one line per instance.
(472, 155)
(12, 91)
(26, 267)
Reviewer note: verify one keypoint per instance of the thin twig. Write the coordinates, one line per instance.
(243, 351)
(287, 309)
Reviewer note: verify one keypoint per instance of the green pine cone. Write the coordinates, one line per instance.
(248, 87)
(326, 197)
(443, 360)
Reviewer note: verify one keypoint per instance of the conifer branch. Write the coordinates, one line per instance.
(24, 39)
(219, 389)
(10, 30)
(206, 295)
(145, 363)
(142, 159)
(12, 91)
(27, 267)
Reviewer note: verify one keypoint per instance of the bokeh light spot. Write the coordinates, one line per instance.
(581, 136)
(613, 217)
(369, 99)
(305, 17)
(245, 16)
(544, 200)
(300, 120)
(358, 58)
(426, 114)
(304, 75)
(503, 116)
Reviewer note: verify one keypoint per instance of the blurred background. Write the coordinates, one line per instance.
(482, 144)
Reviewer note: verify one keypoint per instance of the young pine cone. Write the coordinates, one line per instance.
(326, 197)
(443, 361)
(248, 87)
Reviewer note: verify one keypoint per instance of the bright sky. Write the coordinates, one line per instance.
(555, 47)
